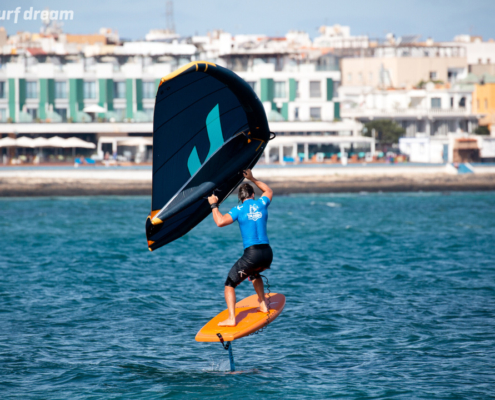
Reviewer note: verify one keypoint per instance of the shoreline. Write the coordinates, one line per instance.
(284, 180)
(64, 186)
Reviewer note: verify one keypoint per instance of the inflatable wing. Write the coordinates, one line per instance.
(208, 127)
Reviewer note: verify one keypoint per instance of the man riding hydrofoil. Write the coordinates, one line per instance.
(252, 216)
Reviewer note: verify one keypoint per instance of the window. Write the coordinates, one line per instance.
(462, 102)
(314, 89)
(349, 77)
(120, 113)
(90, 90)
(3, 114)
(486, 104)
(149, 90)
(3, 94)
(451, 102)
(252, 84)
(119, 90)
(370, 77)
(33, 112)
(296, 113)
(62, 112)
(297, 89)
(149, 113)
(436, 102)
(433, 75)
(31, 89)
(279, 90)
(60, 89)
(315, 113)
(360, 77)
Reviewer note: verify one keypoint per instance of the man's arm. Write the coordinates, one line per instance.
(267, 192)
(220, 220)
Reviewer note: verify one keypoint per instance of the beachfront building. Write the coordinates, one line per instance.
(431, 116)
(93, 86)
(434, 110)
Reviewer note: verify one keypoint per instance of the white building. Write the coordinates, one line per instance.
(338, 37)
(432, 111)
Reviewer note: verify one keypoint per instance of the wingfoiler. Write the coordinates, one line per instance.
(208, 127)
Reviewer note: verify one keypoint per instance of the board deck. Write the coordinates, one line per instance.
(248, 318)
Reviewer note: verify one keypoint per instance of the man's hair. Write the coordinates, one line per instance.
(245, 191)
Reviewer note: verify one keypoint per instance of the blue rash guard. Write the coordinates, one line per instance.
(252, 216)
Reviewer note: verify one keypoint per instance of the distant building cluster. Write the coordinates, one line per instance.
(99, 86)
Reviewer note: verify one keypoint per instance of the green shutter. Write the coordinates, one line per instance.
(157, 85)
(12, 99)
(329, 89)
(139, 94)
(80, 94)
(292, 89)
(109, 94)
(43, 98)
(76, 97)
(72, 98)
(285, 111)
(47, 96)
(102, 95)
(22, 93)
(336, 110)
(51, 92)
(266, 89)
(128, 94)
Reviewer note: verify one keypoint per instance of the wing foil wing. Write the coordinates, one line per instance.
(208, 127)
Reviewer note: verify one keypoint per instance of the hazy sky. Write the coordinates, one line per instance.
(440, 19)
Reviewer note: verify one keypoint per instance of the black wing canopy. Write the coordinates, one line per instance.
(208, 127)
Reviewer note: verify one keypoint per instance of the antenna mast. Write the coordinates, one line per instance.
(169, 15)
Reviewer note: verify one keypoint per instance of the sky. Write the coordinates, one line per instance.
(438, 19)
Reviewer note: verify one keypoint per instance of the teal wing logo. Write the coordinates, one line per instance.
(215, 135)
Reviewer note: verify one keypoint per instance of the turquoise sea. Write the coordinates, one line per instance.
(389, 296)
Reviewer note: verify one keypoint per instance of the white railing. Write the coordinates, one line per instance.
(406, 112)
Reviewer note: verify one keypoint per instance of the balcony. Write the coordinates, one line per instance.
(405, 112)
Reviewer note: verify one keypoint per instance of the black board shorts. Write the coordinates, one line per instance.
(255, 259)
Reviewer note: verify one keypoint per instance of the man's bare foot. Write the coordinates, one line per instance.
(228, 322)
(263, 308)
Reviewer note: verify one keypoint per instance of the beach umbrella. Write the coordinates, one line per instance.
(76, 142)
(25, 141)
(8, 142)
(55, 141)
(94, 108)
(136, 141)
(40, 142)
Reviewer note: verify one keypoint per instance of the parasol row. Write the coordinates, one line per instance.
(55, 141)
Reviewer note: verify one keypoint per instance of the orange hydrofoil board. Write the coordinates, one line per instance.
(248, 319)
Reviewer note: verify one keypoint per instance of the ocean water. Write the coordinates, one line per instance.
(389, 296)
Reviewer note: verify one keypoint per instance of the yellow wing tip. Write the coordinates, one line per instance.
(156, 221)
(179, 71)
